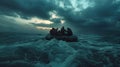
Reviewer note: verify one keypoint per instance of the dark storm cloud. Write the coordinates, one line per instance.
(26, 8)
(104, 14)
(41, 8)
(102, 9)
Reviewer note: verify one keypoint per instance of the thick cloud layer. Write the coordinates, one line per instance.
(27, 8)
(93, 15)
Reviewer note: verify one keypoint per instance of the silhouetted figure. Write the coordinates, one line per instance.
(53, 31)
(62, 34)
(69, 32)
(59, 33)
(63, 31)
(56, 31)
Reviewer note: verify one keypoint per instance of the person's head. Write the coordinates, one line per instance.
(53, 28)
(68, 28)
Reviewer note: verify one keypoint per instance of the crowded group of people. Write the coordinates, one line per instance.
(61, 32)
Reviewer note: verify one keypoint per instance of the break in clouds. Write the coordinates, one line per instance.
(84, 15)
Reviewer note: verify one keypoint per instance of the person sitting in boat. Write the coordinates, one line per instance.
(69, 32)
(53, 31)
(63, 31)
(59, 33)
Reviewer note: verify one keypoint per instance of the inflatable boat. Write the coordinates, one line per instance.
(72, 38)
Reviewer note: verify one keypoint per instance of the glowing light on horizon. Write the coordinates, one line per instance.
(40, 21)
(43, 28)
(32, 20)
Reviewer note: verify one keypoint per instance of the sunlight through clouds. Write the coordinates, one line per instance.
(43, 28)
(40, 21)
(62, 21)
(53, 15)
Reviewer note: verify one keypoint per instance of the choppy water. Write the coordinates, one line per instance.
(35, 51)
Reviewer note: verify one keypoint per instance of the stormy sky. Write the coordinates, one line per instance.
(80, 15)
